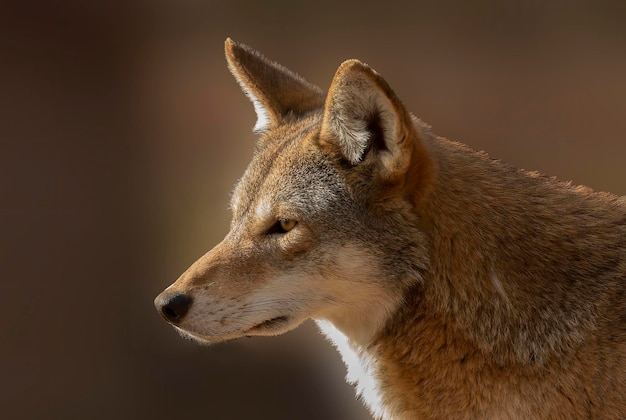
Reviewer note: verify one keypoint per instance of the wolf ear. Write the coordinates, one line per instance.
(363, 115)
(276, 92)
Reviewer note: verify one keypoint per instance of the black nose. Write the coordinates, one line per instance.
(173, 307)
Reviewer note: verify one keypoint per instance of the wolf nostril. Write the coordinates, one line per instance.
(170, 313)
(175, 308)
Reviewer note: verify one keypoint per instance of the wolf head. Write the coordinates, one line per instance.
(324, 223)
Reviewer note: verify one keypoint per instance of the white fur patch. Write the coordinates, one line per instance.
(263, 117)
(497, 284)
(234, 202)
(361, 367)
(263, 210)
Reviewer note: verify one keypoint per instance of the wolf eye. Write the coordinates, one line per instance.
(282, 226)
(287, 224)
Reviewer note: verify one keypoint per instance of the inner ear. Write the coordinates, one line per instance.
(363, 117)
(376, 132)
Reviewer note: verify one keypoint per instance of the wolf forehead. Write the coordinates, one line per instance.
(290, 170)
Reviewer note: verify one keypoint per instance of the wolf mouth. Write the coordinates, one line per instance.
(271, 324)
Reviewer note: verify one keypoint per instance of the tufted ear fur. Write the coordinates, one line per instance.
(363, 115)
(276, 92)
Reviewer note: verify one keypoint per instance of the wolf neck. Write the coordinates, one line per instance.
(512, 253)
(505, 273)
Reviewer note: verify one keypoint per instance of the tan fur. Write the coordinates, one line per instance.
(453, 285)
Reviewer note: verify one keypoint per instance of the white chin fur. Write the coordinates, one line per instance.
(190, 336)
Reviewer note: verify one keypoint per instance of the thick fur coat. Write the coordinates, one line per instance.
(454, 285)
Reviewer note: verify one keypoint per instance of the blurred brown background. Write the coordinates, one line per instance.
(122, 133)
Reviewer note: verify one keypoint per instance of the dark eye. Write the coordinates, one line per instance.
(282, 226)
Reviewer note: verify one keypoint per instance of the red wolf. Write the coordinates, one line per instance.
(452, 284)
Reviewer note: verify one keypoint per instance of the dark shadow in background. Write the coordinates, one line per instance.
(122, 133)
